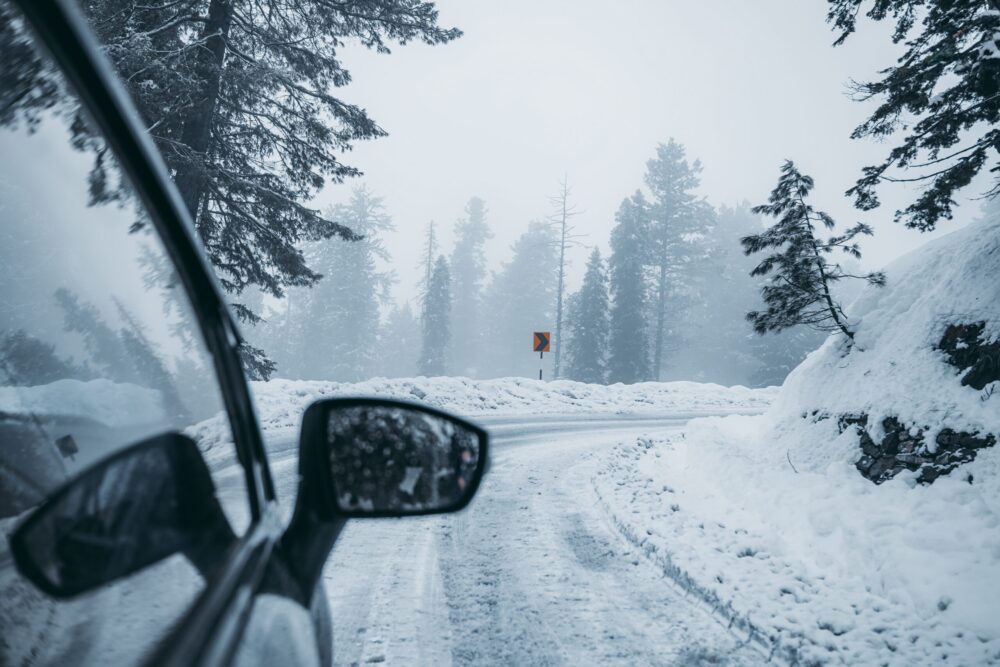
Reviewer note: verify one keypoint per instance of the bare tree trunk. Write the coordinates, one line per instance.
(557, 368)
(191, 177)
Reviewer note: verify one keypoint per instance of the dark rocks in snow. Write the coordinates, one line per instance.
(966, 350)
(906, 448)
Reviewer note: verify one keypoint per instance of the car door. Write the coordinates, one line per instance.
(112, 330)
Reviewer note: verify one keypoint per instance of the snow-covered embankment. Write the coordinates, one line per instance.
(280, 403)
(770, 519)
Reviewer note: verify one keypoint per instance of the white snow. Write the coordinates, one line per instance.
(280, 403)
(767, 518)
(114, 404)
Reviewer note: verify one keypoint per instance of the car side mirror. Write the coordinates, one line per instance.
(372, 457)
(131, 510)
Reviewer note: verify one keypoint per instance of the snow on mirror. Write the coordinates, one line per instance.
(392, 460)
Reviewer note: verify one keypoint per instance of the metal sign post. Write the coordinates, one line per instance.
(541, 344)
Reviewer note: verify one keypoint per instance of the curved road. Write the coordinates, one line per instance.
(532, 573)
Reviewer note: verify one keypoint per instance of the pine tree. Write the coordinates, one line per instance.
(339, 317)
(800, 289)
(238, 97)
(26, 361)
(101, 340)
(943, 95)
(628, 360)
(677, 216)
(468, 271)
(149, 364)
(429, 254)
(436, 321)
(709, 339)
(587, 325)
(521, 299)
(724, 338)
(400, 342)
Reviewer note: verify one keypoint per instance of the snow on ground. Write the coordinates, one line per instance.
(280, 403)
(768, 519)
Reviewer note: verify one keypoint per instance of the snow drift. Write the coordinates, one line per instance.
(770, 519)
(115, 404)
(281, 402)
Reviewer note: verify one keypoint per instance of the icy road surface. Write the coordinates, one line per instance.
(533, 573)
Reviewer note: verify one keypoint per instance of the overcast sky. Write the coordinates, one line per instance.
(540, 88)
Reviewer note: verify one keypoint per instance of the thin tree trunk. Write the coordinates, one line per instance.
(557, 370)
(191, 178)
(826, 293)
(830, 305)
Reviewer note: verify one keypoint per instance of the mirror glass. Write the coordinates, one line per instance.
(400, 460)
(136, 508)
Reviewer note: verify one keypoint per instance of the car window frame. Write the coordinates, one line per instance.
(63, 32)
(211, 629)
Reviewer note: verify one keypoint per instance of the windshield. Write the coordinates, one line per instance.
(99, 350)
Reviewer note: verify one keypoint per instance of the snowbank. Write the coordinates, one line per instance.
(281, 402)
(113, 404)
(769, 519)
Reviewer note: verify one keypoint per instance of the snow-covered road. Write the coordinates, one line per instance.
(533, 573)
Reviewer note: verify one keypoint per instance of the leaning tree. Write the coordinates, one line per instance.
(801, 275)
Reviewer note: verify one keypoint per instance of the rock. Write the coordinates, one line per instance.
(900, 450)
(966, 350)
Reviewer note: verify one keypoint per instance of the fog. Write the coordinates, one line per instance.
(532, 96)
(535, 91)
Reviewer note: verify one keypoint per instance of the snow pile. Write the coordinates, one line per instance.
(114, 404)
(769, 519)
(280, 403)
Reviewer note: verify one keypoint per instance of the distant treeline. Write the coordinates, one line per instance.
(668, 303)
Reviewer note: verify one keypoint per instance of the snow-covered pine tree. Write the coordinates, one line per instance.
(468, 271)
(436, 321)
(943, 95)
(678, 215)
(339, 316)
(725, 337)
(429, 254)
(148, 363)
(587, 325)
(400, 341)
(628, 359)
(709, 338)
(800, 288)
(238, 95)
(521, 299)
(26, 361)
(100, 340)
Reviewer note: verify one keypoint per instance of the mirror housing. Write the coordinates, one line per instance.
(320, 511)
(373, 457)
(134, 508)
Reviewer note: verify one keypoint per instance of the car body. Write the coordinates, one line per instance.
(257, 597)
